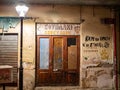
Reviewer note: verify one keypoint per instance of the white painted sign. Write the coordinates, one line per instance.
(58, 29)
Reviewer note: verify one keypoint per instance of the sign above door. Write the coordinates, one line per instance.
(58, 29)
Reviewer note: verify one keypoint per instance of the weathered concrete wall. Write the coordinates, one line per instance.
(97, 54)
(65, 14)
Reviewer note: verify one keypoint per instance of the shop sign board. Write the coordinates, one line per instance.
(58, 29)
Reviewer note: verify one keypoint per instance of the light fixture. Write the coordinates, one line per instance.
(22, 9)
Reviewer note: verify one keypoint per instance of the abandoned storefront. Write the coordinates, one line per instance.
(64, 48)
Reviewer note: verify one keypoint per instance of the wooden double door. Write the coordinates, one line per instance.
(58, 59)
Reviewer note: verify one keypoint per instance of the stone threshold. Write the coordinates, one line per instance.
(69, 88)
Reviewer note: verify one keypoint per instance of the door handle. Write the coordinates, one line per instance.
(55, 70)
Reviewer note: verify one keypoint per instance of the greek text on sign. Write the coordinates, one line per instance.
(58, 29)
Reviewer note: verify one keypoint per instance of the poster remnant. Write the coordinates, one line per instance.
(6, 74)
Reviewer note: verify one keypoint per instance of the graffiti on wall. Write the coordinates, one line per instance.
(96, 50)
(96, 42)
(96, 66)
(100, 77)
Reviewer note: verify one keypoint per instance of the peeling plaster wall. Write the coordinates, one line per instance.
(64, 14)
(97, 54)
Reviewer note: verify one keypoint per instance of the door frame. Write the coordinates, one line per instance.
(65, 57)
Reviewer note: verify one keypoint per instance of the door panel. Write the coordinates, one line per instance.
(43, 60)
(57, 60)
(73, 60)
(57, 72)
(44, 78)
(72, 57)
(72, 78)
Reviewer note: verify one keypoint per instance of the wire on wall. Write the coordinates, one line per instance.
(81, 20)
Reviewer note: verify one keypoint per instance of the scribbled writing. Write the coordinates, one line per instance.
(94, 42)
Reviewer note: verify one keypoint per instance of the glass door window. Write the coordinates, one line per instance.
(58, 54)
(44, 53)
